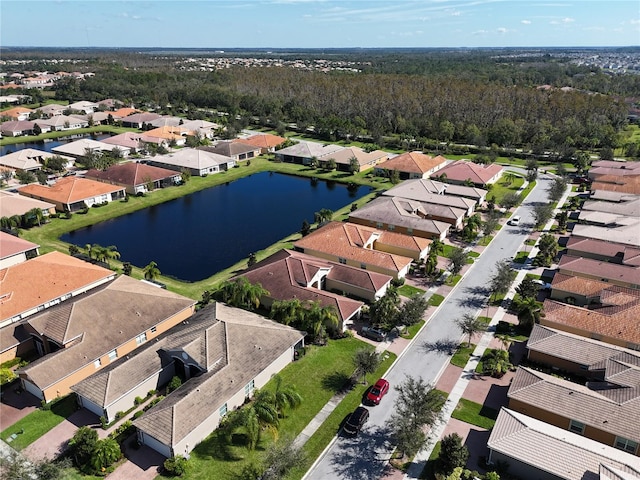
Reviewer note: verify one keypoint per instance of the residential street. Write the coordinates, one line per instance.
(366, 456)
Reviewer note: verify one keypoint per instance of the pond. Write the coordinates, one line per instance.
(48, 145)
(193, 237)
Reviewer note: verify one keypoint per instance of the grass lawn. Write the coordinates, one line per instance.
(485, 320)
(429, 472)
(317, 376)
(39, 422)
(453, 280)
(521, 257)
(486, 240)
(530, 241)
(413, 330)
(436, 299)
(66, 133)
(502, 187)
(462, 355)
(475, 414)
(473, 254)
(409, 290)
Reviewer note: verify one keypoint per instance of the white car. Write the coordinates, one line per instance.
(543, 285)
(515, 220)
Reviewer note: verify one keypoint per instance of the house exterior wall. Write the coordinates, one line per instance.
(353, 263)
(63, 386)
(157, 445)
(585, 333)
(519, 469)
(92, 407)
(595, 256)
(13, 260)
(18, 351)
(562, 296)
(396, 250)
(398, 229)
(561, 422)
(334, 285)
(558, 363)
(612, 281)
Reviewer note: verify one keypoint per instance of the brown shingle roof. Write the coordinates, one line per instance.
(131, 173)
(462, 170)
(99, 321)
(70, 190)
(612, 272)
(600, 247)
(414, 162)
(43, 279)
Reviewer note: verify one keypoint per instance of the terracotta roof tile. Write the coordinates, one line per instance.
(263, 141)
(70, 190)
(414, 162)
(131, 173)
(462, 170)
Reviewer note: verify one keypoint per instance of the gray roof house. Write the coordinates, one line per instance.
(408, 216)
(535, 449)
(421, 189)
(302, 152)
(223, 352)
(627, 234)
(236, 150)
(79, 148)
(62, 122)
(198, 162)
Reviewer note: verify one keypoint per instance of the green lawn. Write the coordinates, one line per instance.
(429, 471)
(475, 414)
(317, 376)
(413, 330)
(66, 133)
(521, 257)
(436, 299)
(502, 187)
(453, 280)
(530, 242)
(462, 355)
(409, 290)
(39, 422)
(473, 254)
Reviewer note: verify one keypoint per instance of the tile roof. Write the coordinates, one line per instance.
(15, 112)
(607, 196)
(98, 322)
(166, 133)
(167, 121)
(612, 409)
(628, 234)
(629, 208)
(251, 342)
(12, 335)
(579, 285)
(124, 112)
(126, 139)
(27, 159)
(414, 162)
(560, 453)
(287, 274)
(618, 322)
(347, 240)
(193, 158)
(305, 149)
(462, 170)
(617, 251)
(263, 141)
(139, 118)
(612, 272)
(418, 188)
(11, 245)
(70, 190)
(615, 164)
(344, 156)
(620, 185)
(43, 279)
(78, 148)
(409, 214)
(17, 126)
(231, 149)
(131, 173)
(435, 199)
(14, 204)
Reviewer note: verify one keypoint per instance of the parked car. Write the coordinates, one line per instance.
(543, 285)
(372, 333)
(356, 421)
(378, 391)
(515, 220)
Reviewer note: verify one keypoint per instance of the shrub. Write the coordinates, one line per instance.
(103, 422)
(138, 414)
(119, 415)
(138, 400)
(176, 466)
(6, 376)
(174, 384)
(453, 454)
(151, 393)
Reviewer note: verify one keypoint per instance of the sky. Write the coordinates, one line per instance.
(220, 24)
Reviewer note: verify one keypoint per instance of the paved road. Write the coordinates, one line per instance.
(366, 457)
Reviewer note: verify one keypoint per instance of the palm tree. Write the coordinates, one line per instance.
(151, 271)
(317, 319)
(366, 360)
(470, 325)
(242, 294)
(287, 312)
(110, 253)
(89, 249)
(437, 246)
(529, 312)
(285, 396)
(105, 453)
(34, 215)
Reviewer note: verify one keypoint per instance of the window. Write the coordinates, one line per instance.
(248, 388)
(576, 427)
(409, 231)
(626, 445)
(113, 355)
(379, 224)
(153, 329)
(140, 339)
(363, 266)
(223, 410)
(97, 363)
(391, 228)
(342, 260)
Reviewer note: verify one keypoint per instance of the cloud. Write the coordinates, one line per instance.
(525, 22)
(502, 30)
(568, 20)
(479, 32)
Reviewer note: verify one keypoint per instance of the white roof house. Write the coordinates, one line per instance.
(78, 148)
(198, 162)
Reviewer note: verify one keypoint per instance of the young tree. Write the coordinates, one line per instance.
(542, 213)
(385, 309)
(366, 360)
(581, 161)
(548, 249)
(453, 454)
(412, 310)
(322, 216)
(151, 271)
(285, 397)
(354, 165)
(241, 293)
(470, 325)
(280, 458)
(318, 319)
(176, 465)
(82, 445)
(562, 219)
(394, 177)
(491, 224)
(527, 288)
(251, 261)
(287, 312)
(510, 200)
(502, 278)
(529, 312)
(127, 268)
(457, 260)
(557, 188)
(105, 453)
(306, 228)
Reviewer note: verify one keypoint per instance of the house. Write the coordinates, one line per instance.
(304, 152)
(17, 128)
(123, 112)
(629, 184)
(168, 135)
(623, 275)
(438, 200)
(606, 411)
(616, 325)
(629, 208)
(52, 110)
(136, 120)
(79, 148)
(266, 142)
(136, 177)
(201, 127)
(408, 217)
(166, 121)
(38, 283)
(223, 354)
(365, 160)
(606, 168)
(14, 250)
(83, 106)
(609, 220)
(62, 122)
(603, 250)
(30, 159)
(109, 103)
(361, 247)
(627, 234)
(423, 189)
(237, 150)
(14, 204)
(412, 165)
(74, 193)
(288, 274)
(464, 172)
(535, 449)
(198, 162)
(588, 292)
(16, 113)
(580, 356)
(132, 141)
(607, 196)
(78, 337)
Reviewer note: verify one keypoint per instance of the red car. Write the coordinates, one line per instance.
(378, 391)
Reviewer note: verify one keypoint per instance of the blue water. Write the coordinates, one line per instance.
(48, 145)
(193, 237)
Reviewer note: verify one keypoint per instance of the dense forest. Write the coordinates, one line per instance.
(476, 97)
